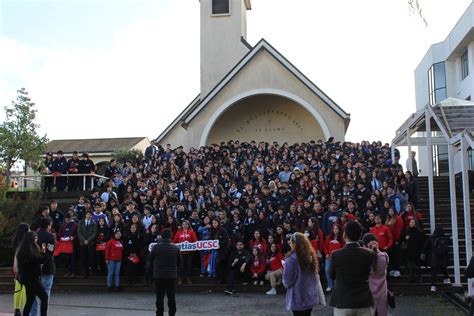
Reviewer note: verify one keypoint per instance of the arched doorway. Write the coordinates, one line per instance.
(265, 117)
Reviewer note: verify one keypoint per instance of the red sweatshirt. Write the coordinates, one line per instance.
(258, 265)
(275, 262)
(384, 236)
(113, 250)
(408, 216)
(260, 244)
(182, 236)
(332, 245)
(396, 229)
(318, 243)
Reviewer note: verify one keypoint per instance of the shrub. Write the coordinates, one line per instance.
(15, 208)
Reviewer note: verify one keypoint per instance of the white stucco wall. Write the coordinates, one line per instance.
(221, 46)
(263, 73)
(265, 118)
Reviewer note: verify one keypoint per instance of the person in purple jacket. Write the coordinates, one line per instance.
(300, 277)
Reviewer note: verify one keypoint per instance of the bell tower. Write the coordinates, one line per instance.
(223, 26)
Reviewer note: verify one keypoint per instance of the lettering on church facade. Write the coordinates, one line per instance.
(268, 126)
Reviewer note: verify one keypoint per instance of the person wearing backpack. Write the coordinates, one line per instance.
(436, 252)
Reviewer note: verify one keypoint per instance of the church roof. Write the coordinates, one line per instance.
(200, 102)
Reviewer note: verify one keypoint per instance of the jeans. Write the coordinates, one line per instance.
(327, 266)
(47, 282)
(113, 269)
(165, 287)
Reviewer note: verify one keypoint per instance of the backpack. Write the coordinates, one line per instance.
(441, 247)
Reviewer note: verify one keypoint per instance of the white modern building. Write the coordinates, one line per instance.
(446, 71)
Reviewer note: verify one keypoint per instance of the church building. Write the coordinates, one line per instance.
(250, 92)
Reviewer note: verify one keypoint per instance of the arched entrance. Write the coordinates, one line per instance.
(269, 117)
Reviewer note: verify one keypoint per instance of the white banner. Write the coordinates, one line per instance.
(194, 246)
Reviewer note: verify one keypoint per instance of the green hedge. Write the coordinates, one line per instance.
(14, 209)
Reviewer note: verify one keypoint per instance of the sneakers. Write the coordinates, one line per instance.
(180, 281)
(396, 274)
(433, 289)
(229, 292)
(391, 273)
(255, 282)
(189, 280)
(328, 290)
(272, 291)
(446, 281)
(261, 282)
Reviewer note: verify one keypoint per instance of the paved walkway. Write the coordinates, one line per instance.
(138, 304)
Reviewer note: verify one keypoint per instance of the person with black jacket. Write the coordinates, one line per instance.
(60, 167)
(86, 166)
(469, 273)
(87, 233)
(21, 230)
(219, 233)
(133, 244)
(47, 243)
(411, 240)
(239, 266)
(30, 259)
(48, 170)
(164, 260)
(42, 212)
(436, 252)
(74, 183)
(350, 267)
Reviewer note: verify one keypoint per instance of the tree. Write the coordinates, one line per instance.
(19, 137)
(415, 8)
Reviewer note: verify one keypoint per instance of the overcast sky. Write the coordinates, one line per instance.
(118, 68)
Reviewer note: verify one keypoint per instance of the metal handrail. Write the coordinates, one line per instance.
(83, 175)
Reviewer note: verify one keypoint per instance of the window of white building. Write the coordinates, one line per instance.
(437, 83)
(220, 7)
(464, 66)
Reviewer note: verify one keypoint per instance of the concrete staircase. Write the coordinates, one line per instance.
(399, 285)
(443, 215)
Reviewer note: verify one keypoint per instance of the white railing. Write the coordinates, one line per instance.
(38, 179)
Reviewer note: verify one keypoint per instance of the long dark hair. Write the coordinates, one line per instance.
(28, 250)
(21, 230)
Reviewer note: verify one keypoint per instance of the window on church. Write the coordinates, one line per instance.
(220, 7)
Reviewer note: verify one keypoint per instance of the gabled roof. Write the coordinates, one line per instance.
(98, 145)
(200, 102)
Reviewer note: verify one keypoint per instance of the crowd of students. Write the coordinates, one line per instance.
(251, 197)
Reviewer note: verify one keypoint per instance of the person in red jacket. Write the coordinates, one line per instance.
(258, 241)
(186, 233)
(258, 266)
(333, 242)
(383, 234)
(410, 213)
(113, 258)
(395, 223)
(318, 241)
(275, 268)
